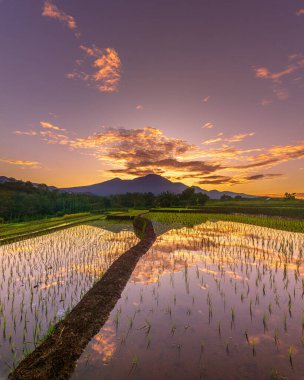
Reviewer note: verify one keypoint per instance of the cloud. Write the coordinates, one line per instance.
(239, 137)
(47, 125)
(295, 64)
(300, 12)
(33, 164)
(235, 138)
(266, 101)
(206, 99)
(262, 176)
(27, 133)
(139, 107)
(52, 11)
(212, 141)
(274, 156)
(98, 68)
(141, 151)
(229, 180)
(51, 134)
(208, 126)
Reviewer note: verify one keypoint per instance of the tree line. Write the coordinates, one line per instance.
(21, 201)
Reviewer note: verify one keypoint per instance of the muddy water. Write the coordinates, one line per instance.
(218, 301)
(44, 277)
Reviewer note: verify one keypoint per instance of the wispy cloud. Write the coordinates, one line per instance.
(139, 107)
(295, 64)
(274, 156)
(46, 125)
(266, 102)
(52, 11)
(235, 180)
(208, 125)
(212, 141)
(51, 134)
(239, 137)
(300, 12)
(98, 68)
(235, 138)
(206, 99)
(23, 163)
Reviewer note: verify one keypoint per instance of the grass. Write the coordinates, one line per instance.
(12, 231)
(273, 214)
(274, 207)
(189, 219)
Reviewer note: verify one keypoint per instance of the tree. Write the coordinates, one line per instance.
(201, 199)
(225, 197)
(188, 196)
(166, 199)
(290, 196)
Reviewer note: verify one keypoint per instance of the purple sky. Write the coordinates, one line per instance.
(207, 92)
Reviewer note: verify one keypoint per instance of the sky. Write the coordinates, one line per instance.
(204, 92)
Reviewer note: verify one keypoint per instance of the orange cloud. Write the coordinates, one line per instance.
(47, 125)
(239, 137)
(235, 138)
(27, 133)
(208, 126)
(136, 152)
(106, 65)
(51, 134)
(50, 10)
(300, 12)
(33, 164)
(296, 63)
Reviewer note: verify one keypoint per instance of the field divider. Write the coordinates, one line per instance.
(56, 357)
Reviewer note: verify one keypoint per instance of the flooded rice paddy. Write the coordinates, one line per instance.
(220, 300)
(44, 277)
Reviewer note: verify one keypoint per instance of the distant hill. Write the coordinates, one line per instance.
(7, 180)
(153, 183)
(4, 179)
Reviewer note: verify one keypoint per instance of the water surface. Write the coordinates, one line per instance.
(44, 277)
(218, 301)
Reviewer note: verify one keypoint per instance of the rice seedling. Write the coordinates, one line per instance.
(44, 277)
(243, 276)
(290, 355)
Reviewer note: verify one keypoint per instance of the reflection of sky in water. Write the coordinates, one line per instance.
(43, 277)
(218, 301)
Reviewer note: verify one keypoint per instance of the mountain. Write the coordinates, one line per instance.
(153, 183)
(4, 180)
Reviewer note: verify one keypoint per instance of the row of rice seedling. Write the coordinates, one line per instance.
(172, 219)
(44, 277)
(218, 300)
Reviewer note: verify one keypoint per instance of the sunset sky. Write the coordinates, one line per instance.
(206, 92)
